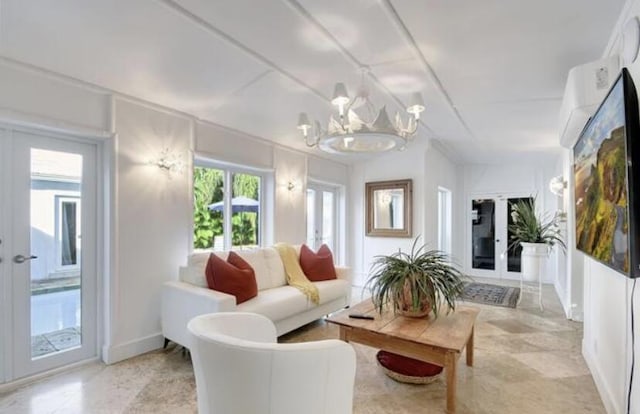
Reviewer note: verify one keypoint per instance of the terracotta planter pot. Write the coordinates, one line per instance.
(405, 306)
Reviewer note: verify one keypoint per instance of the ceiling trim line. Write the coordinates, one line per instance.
(211, 29)
(511, 102)
(242, 88)
(408, 37)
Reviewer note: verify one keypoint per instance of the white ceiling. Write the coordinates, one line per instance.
(492, 72)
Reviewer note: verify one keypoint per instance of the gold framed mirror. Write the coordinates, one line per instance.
(389, 208)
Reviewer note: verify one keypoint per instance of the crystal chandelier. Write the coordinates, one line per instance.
(366, 131)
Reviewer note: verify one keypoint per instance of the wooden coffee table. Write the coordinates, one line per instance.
(439, 341)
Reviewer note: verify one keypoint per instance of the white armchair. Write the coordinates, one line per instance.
(240, 368)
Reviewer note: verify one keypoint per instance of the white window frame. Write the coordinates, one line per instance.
(338, 218)
(445, 220)
(59, 199)
(266, 178)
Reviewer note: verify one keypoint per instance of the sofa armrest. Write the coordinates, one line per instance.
(344, 273)
(182, 301)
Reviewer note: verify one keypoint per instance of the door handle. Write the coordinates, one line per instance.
(21, 259)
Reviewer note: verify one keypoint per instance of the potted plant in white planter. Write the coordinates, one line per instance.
(537, 234)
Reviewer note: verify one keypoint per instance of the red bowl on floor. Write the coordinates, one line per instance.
(409, 370)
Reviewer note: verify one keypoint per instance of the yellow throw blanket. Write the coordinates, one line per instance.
(295, 275)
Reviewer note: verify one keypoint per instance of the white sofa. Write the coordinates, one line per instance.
(284, 305)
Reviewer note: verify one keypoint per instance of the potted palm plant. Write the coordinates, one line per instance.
(415, 283)
(537, 234)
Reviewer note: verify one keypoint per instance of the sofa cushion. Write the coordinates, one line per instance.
(276, 303)
(317, 266)
(255, 257)
(234, 276)
(276, 267)
(332, 289)
(193, 276)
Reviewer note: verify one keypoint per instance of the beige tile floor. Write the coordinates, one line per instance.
(526, 361)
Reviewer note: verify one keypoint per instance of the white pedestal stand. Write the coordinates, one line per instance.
(533, 256)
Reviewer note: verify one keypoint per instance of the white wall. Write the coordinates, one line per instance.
(152, 223)
(150, 215)
(428, 168)
(606, 345)
(290, 218)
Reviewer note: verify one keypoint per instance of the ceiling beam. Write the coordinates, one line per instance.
(211, 29)
(408, 37)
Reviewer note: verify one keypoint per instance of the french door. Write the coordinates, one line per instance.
(321, 216)
(49, 254)
(489, 252)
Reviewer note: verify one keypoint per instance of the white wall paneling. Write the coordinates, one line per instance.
(24, 91)
(153, 223)
(429, 169)
(289, 224)
(606, 345)
(147, 214)
(235, 147)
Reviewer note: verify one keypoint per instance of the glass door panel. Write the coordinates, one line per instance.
(514, 252)
(328, 219)
(311, 218)
(483, 231)
(56, 251)
(53, 252)
(321, 216)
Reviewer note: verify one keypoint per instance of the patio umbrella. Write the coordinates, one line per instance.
(239, 204)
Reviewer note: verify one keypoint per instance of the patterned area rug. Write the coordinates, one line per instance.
(489, 294)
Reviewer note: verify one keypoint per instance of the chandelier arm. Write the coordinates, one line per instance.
(313, 143)
(315, 139)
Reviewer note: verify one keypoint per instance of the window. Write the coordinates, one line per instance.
(218, 191)
(321, 216)
(67, 232)
(444, 220)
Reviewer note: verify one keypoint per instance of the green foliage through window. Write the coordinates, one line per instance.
(208, 188)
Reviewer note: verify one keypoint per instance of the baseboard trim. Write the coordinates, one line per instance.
(610, 403)
(10, 386)
(562, 295)
(129, 349)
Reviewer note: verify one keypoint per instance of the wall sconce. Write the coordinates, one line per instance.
(557, 185)
(168, 161)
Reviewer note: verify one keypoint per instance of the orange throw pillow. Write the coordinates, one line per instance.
(235, 277)
(317, 266)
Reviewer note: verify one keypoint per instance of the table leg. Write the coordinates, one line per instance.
(470, 349)
(450, 367)
(343, 334)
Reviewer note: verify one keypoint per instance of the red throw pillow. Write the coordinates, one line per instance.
(235, 277)
(317, 266)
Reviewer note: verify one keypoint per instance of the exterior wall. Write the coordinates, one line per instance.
(43, 234)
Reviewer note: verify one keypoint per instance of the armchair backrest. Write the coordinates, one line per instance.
(239, 368)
